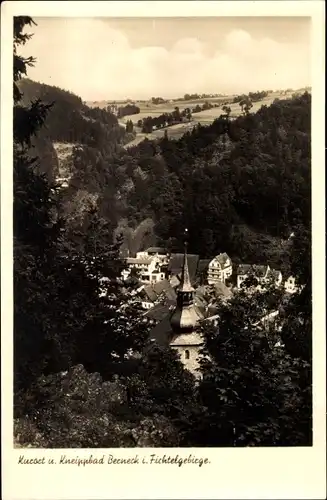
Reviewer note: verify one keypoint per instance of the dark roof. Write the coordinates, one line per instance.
(175, 265)
(135, 260)
(163, 286)
(222, 290)
(162, 333)
(244, 269)
(222, 259)
(203, 265)
(259, 271)
(149, 293)
(159, 311)
(273, 274)
(156, 250)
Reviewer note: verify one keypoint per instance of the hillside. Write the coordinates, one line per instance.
(205, 117)
(239, 185)
(70, 121)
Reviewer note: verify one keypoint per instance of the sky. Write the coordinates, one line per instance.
(108, 58)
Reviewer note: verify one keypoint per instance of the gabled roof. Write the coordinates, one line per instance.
(185, 339)
(273, 274)
(222, 259)
(134, 260)
(162, 333)
(160, 311)
(175, 265)
(243, 269)
(159, 250)
(222, 290)
(258, 270)
(161, 287)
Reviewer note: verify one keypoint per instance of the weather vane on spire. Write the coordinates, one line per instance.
(185, 236)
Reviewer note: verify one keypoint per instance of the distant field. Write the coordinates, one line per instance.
(204, 118)
(176, 131)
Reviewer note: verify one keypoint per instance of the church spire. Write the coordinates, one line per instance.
(185, 285)
(184, 317)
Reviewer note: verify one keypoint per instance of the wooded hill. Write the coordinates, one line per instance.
(240, 186)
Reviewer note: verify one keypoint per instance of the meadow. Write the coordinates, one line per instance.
(147, 108)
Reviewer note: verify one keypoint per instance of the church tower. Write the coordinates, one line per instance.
(184, 318)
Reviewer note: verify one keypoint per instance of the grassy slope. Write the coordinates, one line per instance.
(176, 131)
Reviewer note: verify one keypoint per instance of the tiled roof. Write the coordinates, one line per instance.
(156, 250)
(273, 274)
(163, 286)
(182, 339)
(134, 260)
(162, 333)
(222, 290)
(149, 293)
(222, 259)
(243, 269)
(258, 271)
(159, 311)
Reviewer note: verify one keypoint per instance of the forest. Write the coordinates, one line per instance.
(240, 186)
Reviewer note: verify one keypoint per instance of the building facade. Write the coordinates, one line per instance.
(220, 268)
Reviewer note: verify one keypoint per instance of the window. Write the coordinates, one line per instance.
(187, 354)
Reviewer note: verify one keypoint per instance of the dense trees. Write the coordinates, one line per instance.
(129, 109)
(253, 96)
(61, 311)
(240, 186)
(255, 392)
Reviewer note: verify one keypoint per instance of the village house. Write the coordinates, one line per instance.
(290, 285)
(220, 268)
(160, 291)
(263, 274)
(158, 252)
(147, 269)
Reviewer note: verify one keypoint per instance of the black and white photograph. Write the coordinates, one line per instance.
(163, 282)
(162, 232)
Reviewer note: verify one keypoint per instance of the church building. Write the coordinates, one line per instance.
(178, 328)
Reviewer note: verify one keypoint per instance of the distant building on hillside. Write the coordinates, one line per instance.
(159, 252)
(263, 274)
(219, 269)
(162, 290)
(147, 269)
(290, 285)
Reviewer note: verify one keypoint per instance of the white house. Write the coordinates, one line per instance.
(263, 274)
(159, 253)
(290, 285)
(219, 269)
(148, 269)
